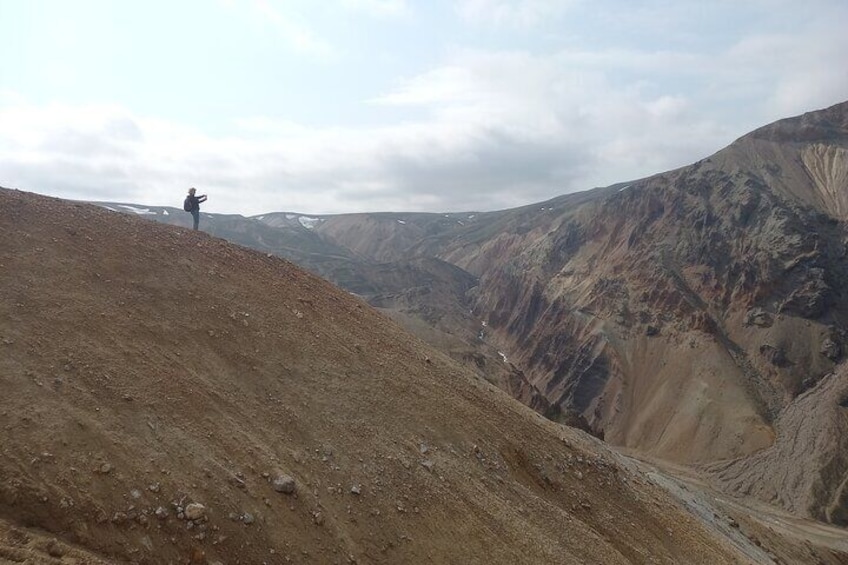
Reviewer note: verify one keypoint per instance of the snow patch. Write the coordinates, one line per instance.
(623, 188)
(165, 213)
(139, 211)
(291, 216)
(308, 223)
(503, 355)
(472, 216)
(401, 222)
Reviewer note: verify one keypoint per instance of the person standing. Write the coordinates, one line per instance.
(192, 204)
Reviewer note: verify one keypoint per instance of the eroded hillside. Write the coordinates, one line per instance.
(683, 314)
(169, 397)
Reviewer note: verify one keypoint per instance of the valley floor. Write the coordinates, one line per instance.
(763, 532)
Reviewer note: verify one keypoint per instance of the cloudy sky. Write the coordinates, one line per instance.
(327, 106)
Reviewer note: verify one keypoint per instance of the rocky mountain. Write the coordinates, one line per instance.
(169, 397)
(688, 316)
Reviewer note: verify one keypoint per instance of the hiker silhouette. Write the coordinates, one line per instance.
(192, 204)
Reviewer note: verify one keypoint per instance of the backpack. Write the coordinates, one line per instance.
(187, 204)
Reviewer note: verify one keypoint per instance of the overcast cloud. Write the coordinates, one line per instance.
(377, 105)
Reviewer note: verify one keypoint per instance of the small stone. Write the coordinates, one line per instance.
(284, 484)
(428, 464)
(248, 518)
(318, 518)
(119, 518)
(161, 513)
(356, 489)
(831, 349)
(195, 511)
(135, 493)
(154, 487)
(106, 468)
(55, 549)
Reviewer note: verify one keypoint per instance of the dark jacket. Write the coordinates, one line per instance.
(194, 202)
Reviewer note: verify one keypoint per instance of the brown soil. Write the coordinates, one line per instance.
(146, 367)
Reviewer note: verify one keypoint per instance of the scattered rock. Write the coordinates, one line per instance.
(106, 468)
(758, 317)
(356, 489)
(119, 517)
(248, 518)
(830, 349)
(194, 511)
(318, 518)
(652, 331)
(428, 464)
(811, 299)
(161, 513)
(284, 484)
(774, 355)
(55, 549)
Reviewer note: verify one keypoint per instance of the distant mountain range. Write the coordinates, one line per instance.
(698, 315)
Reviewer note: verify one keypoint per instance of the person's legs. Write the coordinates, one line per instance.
(195, 214)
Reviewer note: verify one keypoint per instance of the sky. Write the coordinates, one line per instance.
(339, 106)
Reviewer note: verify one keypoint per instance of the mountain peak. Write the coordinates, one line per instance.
(826, 125)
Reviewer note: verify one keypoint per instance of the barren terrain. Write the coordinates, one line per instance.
(169, 397)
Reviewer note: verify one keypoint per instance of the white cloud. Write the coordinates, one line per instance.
(512, 13)
(480, 130)
(379, 8)
(297, 34)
